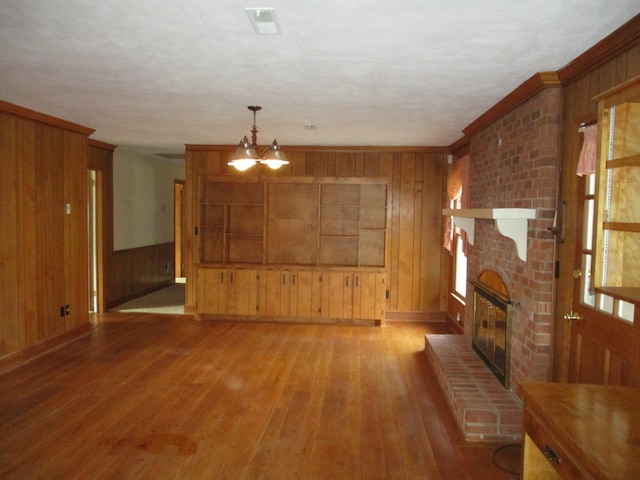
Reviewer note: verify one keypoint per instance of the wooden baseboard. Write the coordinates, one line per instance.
(299, 320)
(455, 325)
(415, 316)
(138, 294)
(16, 359)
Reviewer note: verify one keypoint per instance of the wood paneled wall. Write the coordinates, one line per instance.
(614, 60)
(134, 272)
(418, 266)
(43, 228)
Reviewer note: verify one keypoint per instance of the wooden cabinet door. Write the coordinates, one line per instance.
(246, 293)
(369, 295)
(319, 295)
(340, 300)
(216, 291)
(303, 294)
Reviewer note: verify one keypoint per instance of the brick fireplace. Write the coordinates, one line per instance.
(514, 165)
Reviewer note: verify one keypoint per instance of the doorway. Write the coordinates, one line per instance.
(95, 247)
(178, 215)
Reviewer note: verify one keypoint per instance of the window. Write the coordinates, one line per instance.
(460, 268)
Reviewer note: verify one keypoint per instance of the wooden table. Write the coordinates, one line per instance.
(581, 431)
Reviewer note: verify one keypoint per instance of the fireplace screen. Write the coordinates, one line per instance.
(491, 330)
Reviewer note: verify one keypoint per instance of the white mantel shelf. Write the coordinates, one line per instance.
(511, 222)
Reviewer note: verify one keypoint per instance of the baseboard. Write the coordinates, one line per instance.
(16, 359)
(141, 293)
(439, 317)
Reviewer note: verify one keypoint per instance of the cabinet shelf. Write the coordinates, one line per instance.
(511, 222)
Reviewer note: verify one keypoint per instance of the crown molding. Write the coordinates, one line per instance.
(331, 149)
(534, 85)
(606, 49)
(44, 118)
(92, 142)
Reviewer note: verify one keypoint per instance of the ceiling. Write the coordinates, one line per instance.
(153, 75)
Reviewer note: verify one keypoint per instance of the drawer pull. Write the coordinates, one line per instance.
(548, 452)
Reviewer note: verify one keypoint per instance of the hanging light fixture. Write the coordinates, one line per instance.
(246, 155)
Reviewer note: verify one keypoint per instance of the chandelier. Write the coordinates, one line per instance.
(246, 155)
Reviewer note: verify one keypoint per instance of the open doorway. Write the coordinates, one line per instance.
(95, 247)
(178, 211)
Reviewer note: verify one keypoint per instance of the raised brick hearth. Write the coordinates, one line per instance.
(483, 408)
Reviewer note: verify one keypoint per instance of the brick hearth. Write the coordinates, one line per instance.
(483, 408)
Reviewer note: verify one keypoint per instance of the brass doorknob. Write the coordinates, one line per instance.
(572, 316)
(577, 273)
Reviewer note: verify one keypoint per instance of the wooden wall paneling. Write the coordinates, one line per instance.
(76, 233)
(632, 63)
(345, 164)
(11, 330)
(50, 232)
(26, 228)
(419, 228)
(405, 247)
(394, 240)
(434, 265)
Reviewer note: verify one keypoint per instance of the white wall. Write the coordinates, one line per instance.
(143, 198)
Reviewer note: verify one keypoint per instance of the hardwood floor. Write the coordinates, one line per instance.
(150, 396)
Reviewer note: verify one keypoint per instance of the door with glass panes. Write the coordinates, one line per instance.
(605, 318)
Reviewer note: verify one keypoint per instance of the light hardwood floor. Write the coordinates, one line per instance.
(167, 397)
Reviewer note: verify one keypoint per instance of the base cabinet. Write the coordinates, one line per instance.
(292, 294)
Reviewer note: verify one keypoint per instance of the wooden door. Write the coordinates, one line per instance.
(605, 318)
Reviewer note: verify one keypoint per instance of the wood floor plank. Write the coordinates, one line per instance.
(155, 397)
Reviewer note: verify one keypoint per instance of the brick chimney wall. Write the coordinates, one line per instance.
(515, 164)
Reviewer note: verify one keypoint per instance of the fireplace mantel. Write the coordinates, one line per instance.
(511, 222)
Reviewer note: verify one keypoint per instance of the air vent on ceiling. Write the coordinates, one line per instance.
(263, 20)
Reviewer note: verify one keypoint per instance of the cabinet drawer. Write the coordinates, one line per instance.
(551, 448)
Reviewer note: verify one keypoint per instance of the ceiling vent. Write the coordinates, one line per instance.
(263, 20)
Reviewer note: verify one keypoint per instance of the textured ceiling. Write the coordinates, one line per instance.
(153, 75)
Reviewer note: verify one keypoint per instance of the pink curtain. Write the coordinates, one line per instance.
(457, 195)
(589, 152)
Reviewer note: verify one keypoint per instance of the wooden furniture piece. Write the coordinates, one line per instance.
(576, 431)
(293, 247)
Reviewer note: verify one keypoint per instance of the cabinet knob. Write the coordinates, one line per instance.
(552, 456)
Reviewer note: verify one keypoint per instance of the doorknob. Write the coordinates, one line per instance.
(577, 273)
(572, 316)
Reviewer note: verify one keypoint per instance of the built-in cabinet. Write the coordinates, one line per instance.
(298, 247)
(292, 293)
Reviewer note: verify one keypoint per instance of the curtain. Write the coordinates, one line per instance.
(589, 152)
(457, 195)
